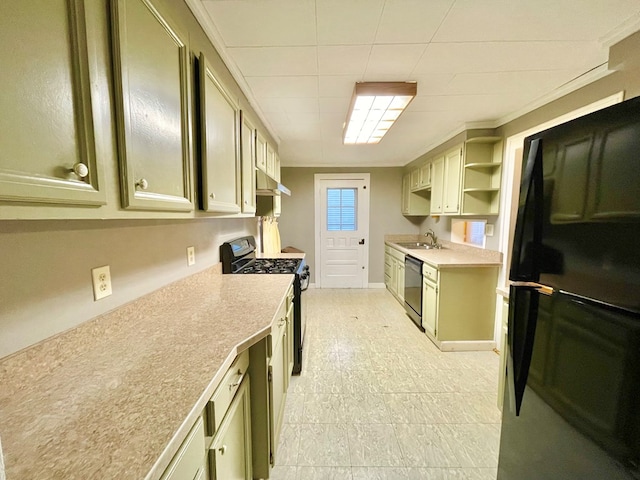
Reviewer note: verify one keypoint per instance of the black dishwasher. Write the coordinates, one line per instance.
(413, 289)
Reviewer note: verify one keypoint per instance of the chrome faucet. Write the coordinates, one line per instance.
(434, 238)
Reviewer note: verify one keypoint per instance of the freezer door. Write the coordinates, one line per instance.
(577, 415)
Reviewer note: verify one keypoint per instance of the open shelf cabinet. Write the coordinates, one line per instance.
(481, 176)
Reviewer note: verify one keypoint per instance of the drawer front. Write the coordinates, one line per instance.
(397, 254)
(225, 392)
(387, 249)
(387, 269)
(429, 272)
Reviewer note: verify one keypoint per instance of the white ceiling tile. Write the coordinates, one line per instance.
(537, 82)
(352, 22)
(248, 23)
(283, 87)
(301, 59)
(343, 59)
(432, 84)
(398, 59)
(411, 21)
(510, 56)
(271, 105)
(336, 105)
(299, 105)
(267, 61)
(337, 85)
(506, 20)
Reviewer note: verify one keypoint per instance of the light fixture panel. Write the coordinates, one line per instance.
(375, 106)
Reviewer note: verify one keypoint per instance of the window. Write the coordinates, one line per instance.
(470, 232)
(341, 209)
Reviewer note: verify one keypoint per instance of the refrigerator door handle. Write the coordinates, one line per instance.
(523, 318)
(543, 289)
(528, 233)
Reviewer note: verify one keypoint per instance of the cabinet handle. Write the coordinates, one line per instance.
(282, 322)
(81, 170)
(142, 183)
(222, 449)
(234, 385)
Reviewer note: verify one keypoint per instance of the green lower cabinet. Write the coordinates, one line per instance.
(230, 453)
(459, 307)
(189, 461)
(429, 307)
(278, 383)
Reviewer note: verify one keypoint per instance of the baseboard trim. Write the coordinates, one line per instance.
(467, 346)
(377, 285)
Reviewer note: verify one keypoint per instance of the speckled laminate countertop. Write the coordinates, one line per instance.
(453, 255)
(114, 397)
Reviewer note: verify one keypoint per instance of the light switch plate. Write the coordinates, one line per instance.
(101, 277)
(488, 229)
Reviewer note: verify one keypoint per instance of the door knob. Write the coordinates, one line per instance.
(361, 242)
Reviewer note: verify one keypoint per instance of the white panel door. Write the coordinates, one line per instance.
(342, 230)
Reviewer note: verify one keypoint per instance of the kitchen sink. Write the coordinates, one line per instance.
(418, 246)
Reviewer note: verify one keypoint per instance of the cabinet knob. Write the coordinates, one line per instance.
(81, 170)
(142, 184)
(212, 196)
(222, 449)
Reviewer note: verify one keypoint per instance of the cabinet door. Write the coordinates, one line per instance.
(425, 175)
(261, 152)
(152, 108)
(191, 457)
(437, 186)
(218, 145)
(48, 148)
(415, 179)
(400, 280)
(277, 390)
(271, 161)
(230, 452)
(452, 171)
(406, 193)
(429, 307)
(248, 173)
(393, 283)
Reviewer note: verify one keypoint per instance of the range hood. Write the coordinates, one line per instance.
(267, 186)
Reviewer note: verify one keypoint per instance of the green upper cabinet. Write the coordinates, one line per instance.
(248, 174)
(48, 152)
(219, 118)
(152, 108)
(452, 172)
(261, 152)
(437, 186)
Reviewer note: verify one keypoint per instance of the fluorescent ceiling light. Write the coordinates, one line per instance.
(375, 106)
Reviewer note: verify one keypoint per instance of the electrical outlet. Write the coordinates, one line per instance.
(101, 282)
(191, 256)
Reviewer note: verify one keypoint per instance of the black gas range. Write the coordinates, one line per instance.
(239, 257)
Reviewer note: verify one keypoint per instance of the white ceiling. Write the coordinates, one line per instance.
(474, 61)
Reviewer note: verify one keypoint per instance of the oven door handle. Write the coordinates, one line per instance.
(304, 281)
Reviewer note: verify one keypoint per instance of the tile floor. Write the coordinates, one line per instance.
(377, 400)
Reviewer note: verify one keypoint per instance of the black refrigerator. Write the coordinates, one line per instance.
(572, 394)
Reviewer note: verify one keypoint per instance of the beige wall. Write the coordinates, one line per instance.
(297, 222)
(45, 285)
